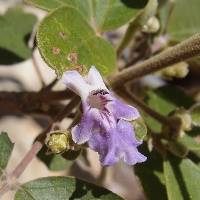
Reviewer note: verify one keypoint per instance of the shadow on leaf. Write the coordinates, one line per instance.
(7, 57)
(175, 162)
(151, 176)
(82, 188)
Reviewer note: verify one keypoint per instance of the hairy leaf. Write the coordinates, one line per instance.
(182, 179)
(6, 147)
(184, 21)
(16, 27)
(104, 15)
(111, 14)
(60, 188)
(66, 41)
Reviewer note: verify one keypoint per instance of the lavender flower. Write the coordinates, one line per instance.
(105, 123)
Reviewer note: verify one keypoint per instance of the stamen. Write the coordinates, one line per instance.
(100, 91)
(97, 99)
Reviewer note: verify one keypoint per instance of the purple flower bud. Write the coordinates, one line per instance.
(105, 123)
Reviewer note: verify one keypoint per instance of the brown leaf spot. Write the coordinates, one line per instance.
(79, 68)
(73, 57)
(55, 50)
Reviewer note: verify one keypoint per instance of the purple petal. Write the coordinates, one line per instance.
(99, 142)
(103, 120)
(94, 78)
(82, 132)
(125, 128)
(131, 159)
(118, 143)
(123, 111)
(75, 82)
(128, 150)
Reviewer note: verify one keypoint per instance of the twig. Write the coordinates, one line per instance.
(33, 102)
(38, 144)
(50, 85)
(141, 50)
(180, 52)
(29, 156)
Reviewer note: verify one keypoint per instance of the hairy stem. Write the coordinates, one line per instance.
(42, 102)
(28, 158)
(37, 146)
(180, 52)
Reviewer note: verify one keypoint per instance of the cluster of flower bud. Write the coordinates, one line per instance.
(179, 70)
(152, 25)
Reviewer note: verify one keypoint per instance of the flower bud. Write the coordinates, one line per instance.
(186, 120)
(152, 25)
(179, 70)
(58, 141)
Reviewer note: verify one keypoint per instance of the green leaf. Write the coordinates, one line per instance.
(44, 4)
(84, 7)
(53, 162)
(184, 24)
(111, 14)
(151, 175)
(103, 14)
(195, 114)
(164, 13)
(182, 179)
(140, 129)
(190, 140)
(165, 100)
(6, 147)
(64, 33)
(16, 27)
(177, 148)
(60, 188)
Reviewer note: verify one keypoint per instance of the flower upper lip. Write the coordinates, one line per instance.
(83, 87)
